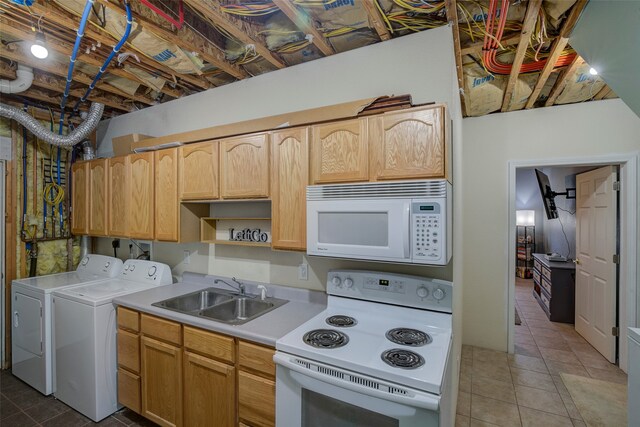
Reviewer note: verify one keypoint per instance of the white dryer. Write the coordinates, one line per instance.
(85, 337)
(31, 349)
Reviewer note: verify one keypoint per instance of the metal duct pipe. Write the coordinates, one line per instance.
(23, 81)
(80, 133)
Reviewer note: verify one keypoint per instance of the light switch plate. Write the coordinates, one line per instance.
(303, 272)
(187, 257)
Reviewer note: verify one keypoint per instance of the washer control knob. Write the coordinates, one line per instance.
(85, 260)
(107, 264)
(126, 267)
(348, 282)
(422, 291)
(133, 267)
(152, 270)
(439, 294)
(336, 281)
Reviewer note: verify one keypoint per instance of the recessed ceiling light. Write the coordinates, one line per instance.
(39, 48)
(593, 71)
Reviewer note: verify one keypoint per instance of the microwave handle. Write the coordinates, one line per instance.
(406, 218)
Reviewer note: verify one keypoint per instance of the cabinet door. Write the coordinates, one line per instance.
(98, 197)
(161, 374)
(141, 197)
(408, 145)
(339, 152)
(118, 196)
(209, 392)
(80, 198)
(198, 170)
(167, 212)
(244, 167)
(256, 400)
(129, 390)
(289, 180)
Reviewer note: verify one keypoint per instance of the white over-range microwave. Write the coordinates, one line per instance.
(399, 221)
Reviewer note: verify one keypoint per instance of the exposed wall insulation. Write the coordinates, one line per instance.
(581, 86)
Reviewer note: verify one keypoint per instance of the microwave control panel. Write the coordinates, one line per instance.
(428, 231)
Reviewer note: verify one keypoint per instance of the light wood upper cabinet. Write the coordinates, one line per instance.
(209, 392)
(244, 167)
(339, 152)
(161, 375)
(118, 196)
(141, 200)
(167, 211)
(198, 171)
(98, 197)
(80, 198)
(289, 180)
(409, 144)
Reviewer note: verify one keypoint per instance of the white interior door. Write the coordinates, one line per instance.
(596, 219)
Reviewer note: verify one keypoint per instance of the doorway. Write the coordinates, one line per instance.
(566, 243)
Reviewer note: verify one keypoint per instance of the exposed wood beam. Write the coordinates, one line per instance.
(43, 97)
(65, 19)
(376, 18)
(530, 18)
(562, 80)
(38, 113)
(452, 17)
(302, 21)
(185, 38)
(602, 93)
(17, 53)
(241, 30)
(556, 50)
(476, 48)
(17, 30)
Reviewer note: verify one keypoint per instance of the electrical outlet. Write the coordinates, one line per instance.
(303, 272)
(187, 257)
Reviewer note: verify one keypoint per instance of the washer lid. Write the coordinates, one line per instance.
(49, 283)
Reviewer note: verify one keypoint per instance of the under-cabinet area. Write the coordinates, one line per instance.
(162, 195)
(176, 374)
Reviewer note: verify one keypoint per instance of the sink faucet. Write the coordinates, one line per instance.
(240, 287)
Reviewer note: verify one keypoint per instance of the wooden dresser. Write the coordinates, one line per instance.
(554, 288)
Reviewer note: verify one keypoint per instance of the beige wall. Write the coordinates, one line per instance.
(573, 131)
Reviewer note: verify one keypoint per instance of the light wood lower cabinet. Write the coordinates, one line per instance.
(176, 374)
(161, 374)
(209, 392)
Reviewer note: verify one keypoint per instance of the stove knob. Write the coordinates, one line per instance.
(348, 282)
(439, 294)
(152, 270)
(336, 281)
(422, 292)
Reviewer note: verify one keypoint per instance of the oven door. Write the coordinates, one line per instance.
(311, 394)
(359, 229)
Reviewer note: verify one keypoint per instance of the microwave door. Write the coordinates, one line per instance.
(360, 229)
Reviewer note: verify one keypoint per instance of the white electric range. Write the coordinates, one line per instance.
(378, 355)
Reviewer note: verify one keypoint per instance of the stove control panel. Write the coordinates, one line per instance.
(391, 288)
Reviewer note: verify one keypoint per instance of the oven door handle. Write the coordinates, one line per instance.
(416, 399)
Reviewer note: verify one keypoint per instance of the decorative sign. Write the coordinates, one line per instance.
(248, 235)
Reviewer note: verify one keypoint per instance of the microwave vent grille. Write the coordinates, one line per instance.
(379, 190)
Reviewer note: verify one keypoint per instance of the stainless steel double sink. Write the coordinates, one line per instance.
(220, 305)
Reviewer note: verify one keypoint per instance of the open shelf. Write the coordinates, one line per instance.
(217, 230)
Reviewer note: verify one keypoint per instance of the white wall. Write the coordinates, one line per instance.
(572, 131)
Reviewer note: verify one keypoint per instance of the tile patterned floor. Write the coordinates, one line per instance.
(22, 406)
(525, 389)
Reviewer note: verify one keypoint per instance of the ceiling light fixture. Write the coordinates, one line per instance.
(39, 48)
(593, 71)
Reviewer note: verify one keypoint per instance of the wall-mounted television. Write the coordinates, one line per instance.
(547, 195)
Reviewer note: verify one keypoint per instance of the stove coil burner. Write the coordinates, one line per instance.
(325, 338)
(405, 359)
(341, 321)
(410, 337)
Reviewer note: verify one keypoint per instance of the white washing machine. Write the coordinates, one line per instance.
(85, 337)
(31, 349)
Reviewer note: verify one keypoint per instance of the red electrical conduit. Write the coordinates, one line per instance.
(491, 45)
(178, 24)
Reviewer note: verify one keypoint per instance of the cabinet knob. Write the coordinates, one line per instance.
(577, 261)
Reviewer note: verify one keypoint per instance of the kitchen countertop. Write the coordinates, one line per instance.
(266, 329)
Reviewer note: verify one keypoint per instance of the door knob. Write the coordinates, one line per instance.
(577, 261)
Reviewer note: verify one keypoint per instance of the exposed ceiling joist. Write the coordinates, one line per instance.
(562, 80)
(302, 21)
(556, 50)
(243, 31)
(185, 38)
(376, 18)
(530, 18)
(452, 17)
(19, 54)
(476, 48)
(40, 114)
